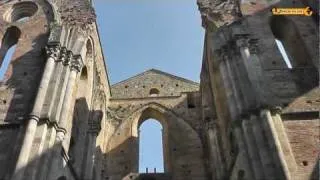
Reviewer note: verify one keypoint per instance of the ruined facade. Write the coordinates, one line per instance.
(252, 116)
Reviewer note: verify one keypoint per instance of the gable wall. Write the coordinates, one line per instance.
(140, 86)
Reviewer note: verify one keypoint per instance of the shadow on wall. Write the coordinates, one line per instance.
(17, 96)
(23, 74)
(72, 164)
(42, 171)
(22, 77)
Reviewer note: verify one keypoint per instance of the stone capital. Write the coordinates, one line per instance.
(69, 55)
(53, 51)
(242, 42)
(253, 46)
(60, 135)
(63, 54)
(276, 110)
(76, 63)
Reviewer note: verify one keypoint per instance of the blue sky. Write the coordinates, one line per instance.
(150, 148)
(6, 61)
(137, 35)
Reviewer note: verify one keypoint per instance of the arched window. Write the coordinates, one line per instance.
(89, 50)
(289, 42)
(84, 73)
(154, 92)
(83, 84)
(150, 147)
(8, 45)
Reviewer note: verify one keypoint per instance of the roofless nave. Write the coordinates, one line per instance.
(251, 116)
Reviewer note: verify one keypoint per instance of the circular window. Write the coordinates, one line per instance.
(21, 12)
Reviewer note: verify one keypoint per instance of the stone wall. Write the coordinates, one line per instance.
(55, 91)
(176, 106)
(141, 85)
(249, 83)
(22, 77)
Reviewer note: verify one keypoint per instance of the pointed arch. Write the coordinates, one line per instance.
(151, 147)
(291, 49)
(8, 43)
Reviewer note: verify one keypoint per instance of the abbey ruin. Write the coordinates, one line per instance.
(252, 117)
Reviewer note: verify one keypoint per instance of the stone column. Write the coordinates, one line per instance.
(274, 141)
(43, 170)
(22, 162)
(243, 151)
(252, 148)
(227, 82)
(55, 113)
(217, 163)
(60, 70)
(50, 99)
(94, 129)
(284, 140)
(262, 146)
(75, 67)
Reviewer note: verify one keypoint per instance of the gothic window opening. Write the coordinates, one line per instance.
(151, 146)
(89, 52)
(289, 42)
(283, 53)
(154, 92)
(83, 84)
(84, 73)
(8, 46)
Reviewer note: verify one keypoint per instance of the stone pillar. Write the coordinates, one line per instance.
(43, 170)
(284, 140)
(252, 149)
(243, 151)
(94, 129)
(22, 162)
(227, 82)
(60, 70)
(280, 157)
(75, 68)
(55, 113)
(252, 65)
(262, 146)
(217, 163)
(50, 98)
(37, 151)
